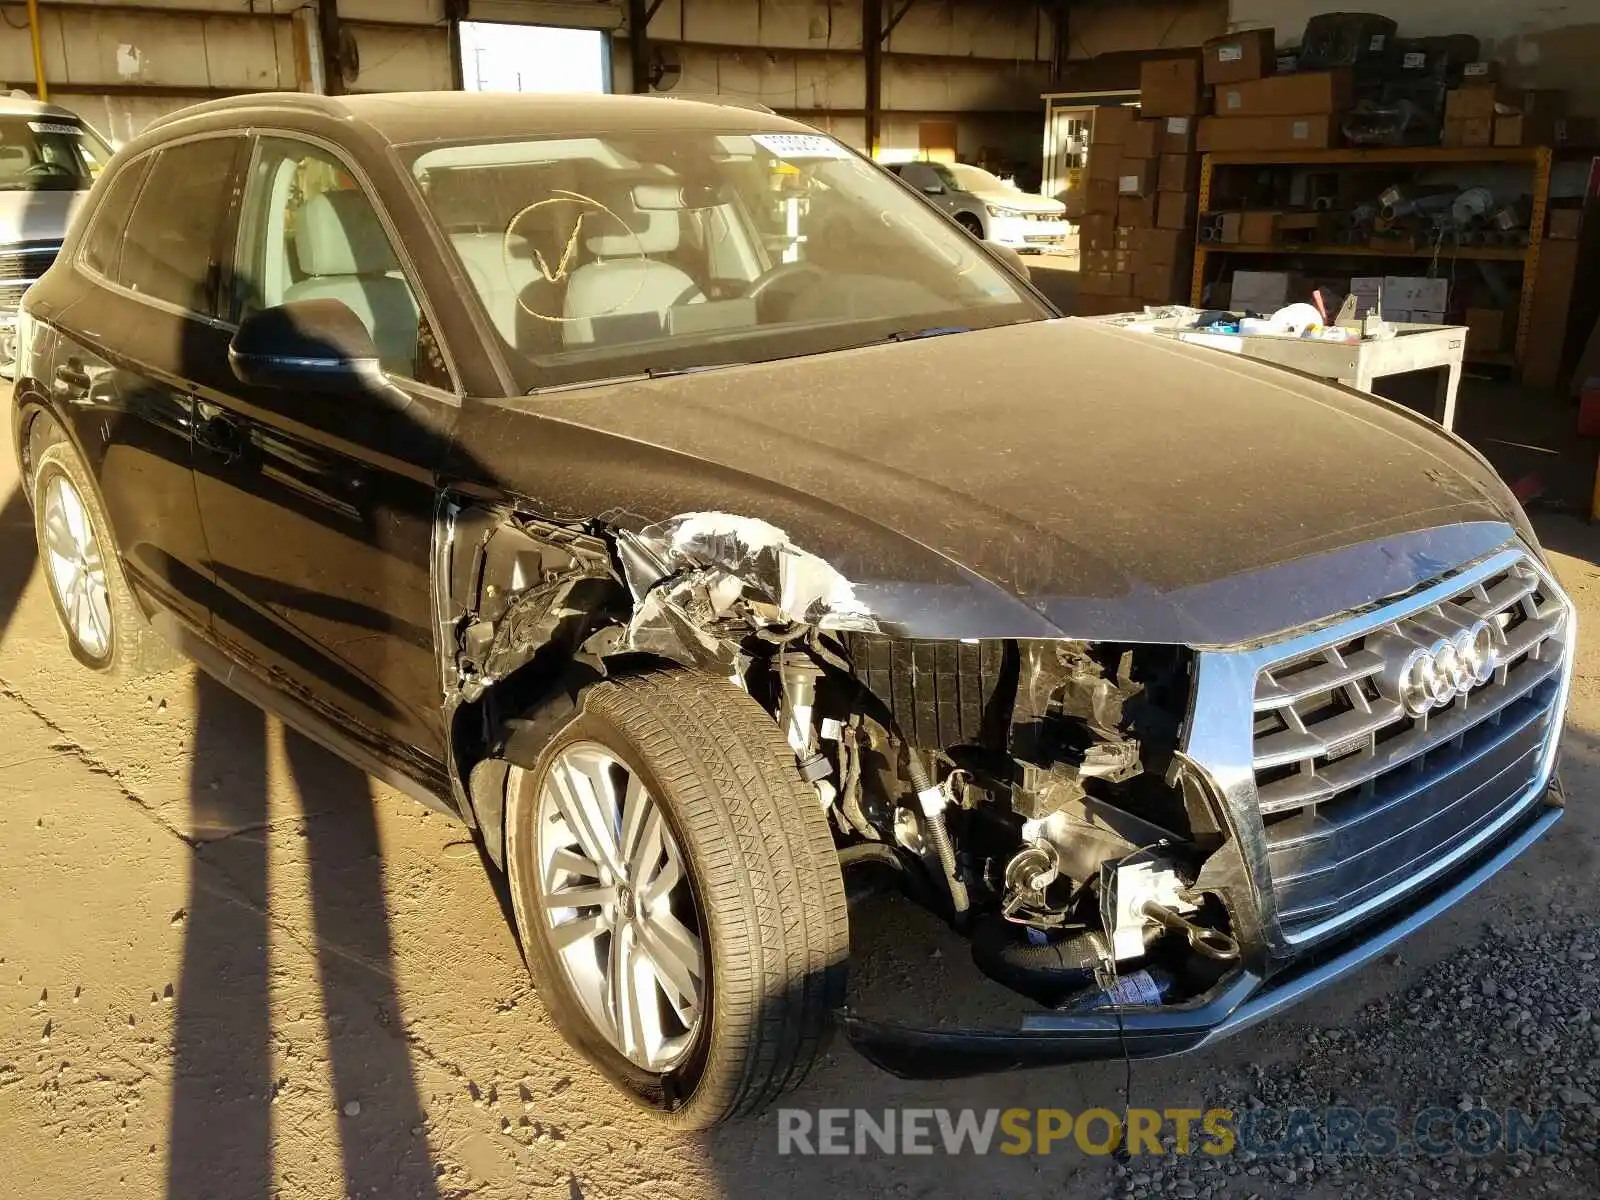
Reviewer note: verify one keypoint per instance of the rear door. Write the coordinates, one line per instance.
(139, 326)
(318, 507)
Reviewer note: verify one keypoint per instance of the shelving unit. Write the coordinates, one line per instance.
(1536, 158)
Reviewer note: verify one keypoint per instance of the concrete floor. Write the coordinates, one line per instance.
(232, 967)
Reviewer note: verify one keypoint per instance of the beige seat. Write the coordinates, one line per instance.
(625, 292)
(345, 255)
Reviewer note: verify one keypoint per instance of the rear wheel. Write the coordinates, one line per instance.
(678, 895)
(105, 629)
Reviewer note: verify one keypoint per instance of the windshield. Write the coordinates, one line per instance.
(975, 179)
(627, 253)
(48, 154)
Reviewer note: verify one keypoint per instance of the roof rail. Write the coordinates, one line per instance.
(716, 98)
(306, 100)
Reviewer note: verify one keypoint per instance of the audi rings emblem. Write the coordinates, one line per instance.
(1430, 674)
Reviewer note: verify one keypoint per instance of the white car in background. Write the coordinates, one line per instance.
(988, 207)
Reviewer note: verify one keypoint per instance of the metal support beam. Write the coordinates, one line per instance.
(639, 15)
(332, 46)
(872, 37)
(455, 12)
(895, 20)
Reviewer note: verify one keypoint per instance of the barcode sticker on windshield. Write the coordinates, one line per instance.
(51, 127)
(799, 145)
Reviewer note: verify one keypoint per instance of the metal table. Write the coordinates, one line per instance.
(1357, 364)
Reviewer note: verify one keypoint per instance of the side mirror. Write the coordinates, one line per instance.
(315, 345)
(1011, 258)
(933, 189)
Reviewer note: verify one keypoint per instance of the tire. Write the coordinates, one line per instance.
(761, 872)
(971, 224)
(127, 648)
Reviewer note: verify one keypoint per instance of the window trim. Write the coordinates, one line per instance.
(408, 267)
(229, 217)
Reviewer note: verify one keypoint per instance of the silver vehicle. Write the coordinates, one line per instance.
(988, 207)
(48, 160)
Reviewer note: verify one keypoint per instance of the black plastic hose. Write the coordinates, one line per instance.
(917, 776)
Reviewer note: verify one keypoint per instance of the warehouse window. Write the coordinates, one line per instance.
(534, 58)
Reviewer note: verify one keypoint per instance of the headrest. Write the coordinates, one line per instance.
(654, 232)
(340, 234)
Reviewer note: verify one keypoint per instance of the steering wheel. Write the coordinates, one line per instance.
(48, 168)
(772, 281)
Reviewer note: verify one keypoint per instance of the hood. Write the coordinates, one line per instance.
(36, 216)
(1021, 201)
(1060, 478)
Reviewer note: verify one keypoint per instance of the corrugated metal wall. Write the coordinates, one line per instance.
(979, 64)
(974, 67)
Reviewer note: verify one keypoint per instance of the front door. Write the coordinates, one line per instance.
(318, 507)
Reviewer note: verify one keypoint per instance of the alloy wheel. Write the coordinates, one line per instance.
(618, 907)
(76, 567)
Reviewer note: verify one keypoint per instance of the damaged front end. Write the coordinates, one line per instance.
(1044, 795)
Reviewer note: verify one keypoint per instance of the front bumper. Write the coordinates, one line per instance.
(1019, 233)
(1237, 1002)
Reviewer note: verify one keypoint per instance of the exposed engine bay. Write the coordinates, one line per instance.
(1030, 791)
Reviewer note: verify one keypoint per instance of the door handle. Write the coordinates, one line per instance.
(218, 433)
(73, 375)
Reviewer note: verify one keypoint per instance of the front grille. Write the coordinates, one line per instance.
(1357, 796)
(19, 267)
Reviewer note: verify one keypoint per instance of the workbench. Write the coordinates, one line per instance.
(1356, 364)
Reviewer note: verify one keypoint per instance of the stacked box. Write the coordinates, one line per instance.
(1162, 265)
(1256, 108)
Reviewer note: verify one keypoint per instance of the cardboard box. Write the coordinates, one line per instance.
(1177, 135)
(1161, 247)
(1178, 173)
(1122, 260)
(1092, 262)
(1097, 231)
(1248, 54)
(1104, 162)
(1141, 139)
(1426, 316)
(1175, 210)
(1416, 292)
(1229, 227)
(1486, 330)
(1138, 176)
(1267, 133)
(1525, 131)
(1137, 212)
(1101, 196)
(1169, 87)
(1265, 291)
(1469, 132)
(1109, 125)
(1479, 98)
(1166, 283)
(1564, 223)
(1106, 283)
(1481, 72)
(1288, 95)
(1124, 238)
(1366, 289)
(1258, 228)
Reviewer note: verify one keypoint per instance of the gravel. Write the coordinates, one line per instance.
(1512, 1022)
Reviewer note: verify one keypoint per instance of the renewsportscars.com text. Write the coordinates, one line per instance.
(1377, 1132)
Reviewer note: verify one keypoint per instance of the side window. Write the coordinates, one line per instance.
(170, 249)
(311, 233)
(102, 242)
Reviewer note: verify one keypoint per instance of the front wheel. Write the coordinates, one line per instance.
(971, 224)
(678, 895)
